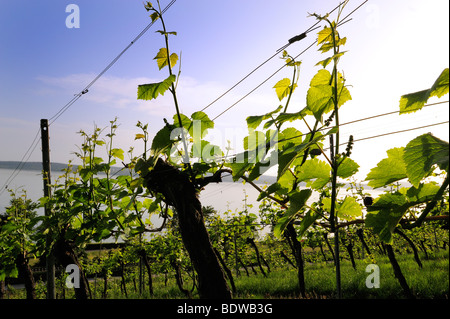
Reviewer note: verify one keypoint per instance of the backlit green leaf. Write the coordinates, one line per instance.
(422, 153)
(203, 124)
(283, 88)
(388, 170)
(289, 136)
(254, 121)
(318, 98)
(314, 171)
(349, 209)
(306, 222)
(384, 215)
(415, 101)
(162, 140)
(151, 91)
(117, 152)
(162, 58)
(347, 168)
(388, 209)
(297, 202)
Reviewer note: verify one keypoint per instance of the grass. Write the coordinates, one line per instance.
(430, 282)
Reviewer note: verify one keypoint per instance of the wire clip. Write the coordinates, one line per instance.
(297, 38)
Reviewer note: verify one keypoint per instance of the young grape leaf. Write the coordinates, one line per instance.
(327, 61)
(318, 97)
(421, 194)
(254, 121)
(415, 101)
(283, 88)
(349, 209)
(205, 122)
(275, 187)
(297, 202)
(162, 140)
(289, 117)
(162, 59)
(422, 153)
(306, 222)
(385, 213)
(317, 173)
(347, 168)
(151, 91)
(388, 170)
(117, 152)
(289, 137)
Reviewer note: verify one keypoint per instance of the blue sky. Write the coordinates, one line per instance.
(395, 47)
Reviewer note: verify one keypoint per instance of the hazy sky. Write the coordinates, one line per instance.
(394, 47)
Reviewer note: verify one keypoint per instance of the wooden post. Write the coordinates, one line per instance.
(50, 262)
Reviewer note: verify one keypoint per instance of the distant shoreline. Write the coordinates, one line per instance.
(58, 167)
(55, 167)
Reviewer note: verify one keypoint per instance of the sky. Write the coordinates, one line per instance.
(394, 48)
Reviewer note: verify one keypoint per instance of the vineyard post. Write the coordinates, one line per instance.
(50, 260)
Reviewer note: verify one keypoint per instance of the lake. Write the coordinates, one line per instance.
(222, 196)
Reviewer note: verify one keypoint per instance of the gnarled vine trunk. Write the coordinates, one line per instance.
(66, 256)
(296, 247)
(179, 192)
(26, 274)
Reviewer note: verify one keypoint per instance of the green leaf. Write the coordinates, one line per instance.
(284, 161)
(441, 85)
(283, 88)
(154, 16)
(162, 140)
(327, 61)
(254, 121)
(415, 101)
(275, 187)
(325, 35)
(422, 153)
(162, 58)
(318, 98)
(347, 168)
(117, 152)
(315, 171)
(186, 122)
(240, 165)
(388, 170)
(139, 136)
(205, 122)
(349, 209)
(289, 137)
(151, 91)
(206, 151)
(263, 165)
(343, 93)
(385, 213)
(306, 222)
(424, 193)
(297, 201)
(289, 117)
(286, 182)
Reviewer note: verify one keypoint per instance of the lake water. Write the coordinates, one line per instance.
(222, 196)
